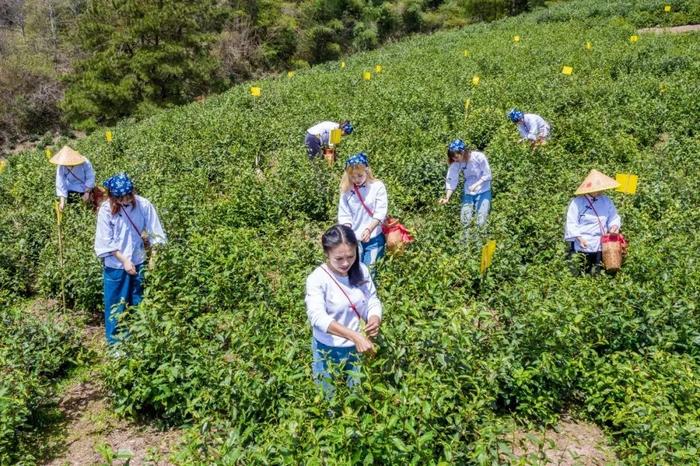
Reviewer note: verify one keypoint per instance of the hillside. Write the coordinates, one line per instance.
(221, 342)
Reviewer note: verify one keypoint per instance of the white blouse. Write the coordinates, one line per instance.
(581, 220)
(326, 303)
(476, 169)
(533, 126)
(116, 232)
(323, 130)
(351, 212)
(78, 178)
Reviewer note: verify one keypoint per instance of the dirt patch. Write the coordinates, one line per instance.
(93, 432)
(570, 443)
(672, 30)
(662, 142)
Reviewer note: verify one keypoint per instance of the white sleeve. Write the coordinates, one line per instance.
(381, 205)
(156, 234)
(571, 228)
(533, 128)
(316, 304)
(89, 175)
(452, 176)
(374, 306)
(344, 213)
(61, 188)
(485, 170)
(105, 242)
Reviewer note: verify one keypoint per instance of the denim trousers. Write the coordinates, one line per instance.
(120, 289)
(329, 359)
(482, 204)
(372, 251)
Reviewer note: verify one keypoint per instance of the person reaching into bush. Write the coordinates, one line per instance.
(319, 136)
(532, 128)
(590, 216)
(75, 177)
(363, 207)
(127, 227)
(340, 295)
(477, 184)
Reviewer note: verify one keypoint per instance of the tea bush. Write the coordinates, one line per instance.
(221, 341)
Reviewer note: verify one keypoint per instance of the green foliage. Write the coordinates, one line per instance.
(221, 340)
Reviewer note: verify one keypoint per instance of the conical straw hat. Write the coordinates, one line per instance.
(595, 182)
(67, 156)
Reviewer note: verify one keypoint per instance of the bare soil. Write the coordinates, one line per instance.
(570, 443)
(671, 30)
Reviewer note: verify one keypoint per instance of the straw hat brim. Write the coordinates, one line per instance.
(67, 156)
(596, 182)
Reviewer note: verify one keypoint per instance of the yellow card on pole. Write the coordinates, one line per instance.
(476, 80)
(516, 39)
(567, 70)
(667, 8)
(466, 52)
(628, 183)
(366, 75)
(588, 46)
(336, 134)
(3, 164)
(634, 38)
(48, 153)
(487, 255)
(467, 103)
(108, 136)
(255, 91)
(59, 215)
(342, 64)
(290, 74)
(378, 68)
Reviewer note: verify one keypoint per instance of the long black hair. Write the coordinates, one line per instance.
(343, 234)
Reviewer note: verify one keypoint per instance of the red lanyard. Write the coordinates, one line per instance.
(362, 201)
(352, 305)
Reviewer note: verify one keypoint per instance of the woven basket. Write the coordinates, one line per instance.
(612, 252)
(329, 155)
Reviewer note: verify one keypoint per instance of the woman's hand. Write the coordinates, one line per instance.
(582, 242)
(363, 344)
(614, 229)
(444, 200)
(365, 235)
(86, 196)
(129, 267)
(372, 328)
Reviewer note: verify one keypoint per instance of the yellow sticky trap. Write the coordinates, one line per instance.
(567, 70)
(588, 46)
(663, 88)
(628, 183)
(487, 255)
(476, 80)
(336, 134)
(290, 74)
(108, 136)
(378, 69)
(3, 165)
(255, 91)
(342, 64)
(667, 8)
(516, 39)
(466, 52)
(634, 39)
(59, 214)
(467, 103)
(366, 75)
(48, 153)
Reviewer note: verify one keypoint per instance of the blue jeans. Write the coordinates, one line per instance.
(481, 203)
(346, 358)
(313, 145)
(372, 250)
(120, 289)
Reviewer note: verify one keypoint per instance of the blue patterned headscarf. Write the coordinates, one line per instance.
(346, 127)
(515, 115)
(357, 159)
(457, 146)
(119, 185)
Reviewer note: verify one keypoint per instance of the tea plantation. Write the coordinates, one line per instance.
(221, 342)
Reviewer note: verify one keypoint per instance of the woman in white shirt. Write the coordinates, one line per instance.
(75, 177)
(477, 183)
(339, 296)
(590, 216)
(532, 128)
(319, 136)
(127, 225)
(363, 207)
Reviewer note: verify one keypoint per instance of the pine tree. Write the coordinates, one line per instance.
(140, 54)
